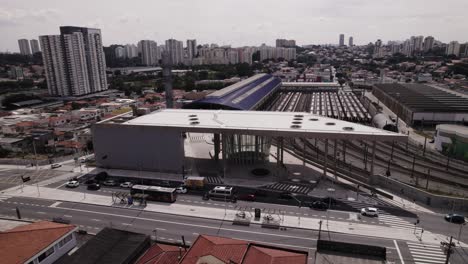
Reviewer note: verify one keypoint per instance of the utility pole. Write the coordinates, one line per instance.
(412, 167)
(427, 178)
(424, 150)
(449, 251)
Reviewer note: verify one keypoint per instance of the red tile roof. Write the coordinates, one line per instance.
(258, 254)
(19, 244)
(240, 251)
(224, 249)
(161, 254)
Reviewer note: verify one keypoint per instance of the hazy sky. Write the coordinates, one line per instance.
(237, 22)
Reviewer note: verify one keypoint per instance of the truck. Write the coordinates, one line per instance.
(195, 182)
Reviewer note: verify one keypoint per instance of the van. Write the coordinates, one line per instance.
(222, 192)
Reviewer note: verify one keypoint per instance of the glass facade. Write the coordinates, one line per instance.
(246, 149)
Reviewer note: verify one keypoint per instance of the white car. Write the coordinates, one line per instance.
(56, 165)
(181, 189)
(126, 185)
(370, 211)
(72, 184)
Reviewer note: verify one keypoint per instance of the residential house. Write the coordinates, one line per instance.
(41, 242)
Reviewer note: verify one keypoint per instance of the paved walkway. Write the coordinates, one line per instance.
(228, 214)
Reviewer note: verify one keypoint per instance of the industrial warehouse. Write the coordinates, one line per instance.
(419, 104)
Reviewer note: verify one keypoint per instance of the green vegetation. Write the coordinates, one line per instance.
(18, 59)
(14, 98)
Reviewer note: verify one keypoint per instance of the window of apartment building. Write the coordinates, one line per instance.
(44, 255)
(65, 240)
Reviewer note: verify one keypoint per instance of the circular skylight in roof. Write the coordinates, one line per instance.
(192, 116)
(296, 126)
(297, 122)
(314, 119)
(330, 124)
(193, 119)
(194, 123)
(348, 128)
(301, 116)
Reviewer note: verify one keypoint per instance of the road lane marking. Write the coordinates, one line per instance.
(161, 229)
(127, 224)
(97, 220)
(67, 216)
(188, 224)
(41, 212)
(398, 251)
(55, 204)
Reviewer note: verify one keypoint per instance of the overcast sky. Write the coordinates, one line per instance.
(237, 22)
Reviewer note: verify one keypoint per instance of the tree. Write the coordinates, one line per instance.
(4, 152)
(75, 106)
(244, 69)
(203, 75)
(256, 56)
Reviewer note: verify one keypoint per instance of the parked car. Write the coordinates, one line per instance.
(55, 165)
(110, 183)
(126, 185)
(455, 218)
(370, 211)
(286, 195)
(90, 181)
(61, 220)
(260, 193)
(222, 192)
(246, 197)
(94, 186)
(72, 184)
(181, 189)
(318, 205)
(165, 184)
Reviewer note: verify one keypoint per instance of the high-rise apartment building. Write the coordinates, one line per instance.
(119, 52)
(24, 47)
(428, 43)
(131, 51)
(176, 51)
(453, 48)
(341, 40)
(35, 46)
(351, 42)
(149, 52)
(285, 43)
(191, 48)
(463, 50)
(74, 61)
(418, 43)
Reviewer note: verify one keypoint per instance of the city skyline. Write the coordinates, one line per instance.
(317, 22)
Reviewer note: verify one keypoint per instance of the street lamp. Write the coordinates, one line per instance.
(331, 191)
(34, 148)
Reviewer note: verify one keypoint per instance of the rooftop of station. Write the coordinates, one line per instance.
(287, 124)
(244, 95)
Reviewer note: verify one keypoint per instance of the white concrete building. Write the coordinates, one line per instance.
(453, 48)
(176, 50)
(131, 51)
(74, 61)
(191, 48)
(35, 46)
(341, 40)
(428, 43)
(119, 52)
(24, 47)
(149, 52)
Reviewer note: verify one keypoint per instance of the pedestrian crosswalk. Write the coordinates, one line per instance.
(395, 221)
(289, 187)
(384, 217)
(426, 254)
(4, 198)
(213, 179)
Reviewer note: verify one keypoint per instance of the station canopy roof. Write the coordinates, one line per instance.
(262, 123)
(244, 95)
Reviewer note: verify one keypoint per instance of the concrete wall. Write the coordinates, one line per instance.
(138, 148)
(435, 201)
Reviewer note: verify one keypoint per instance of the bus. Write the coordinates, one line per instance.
(156, 193)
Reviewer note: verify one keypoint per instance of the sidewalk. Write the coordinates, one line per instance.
(228, 214)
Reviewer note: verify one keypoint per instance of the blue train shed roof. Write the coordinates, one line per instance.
(247, 94)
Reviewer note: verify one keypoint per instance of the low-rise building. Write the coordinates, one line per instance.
(41, 242)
